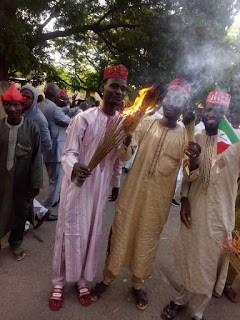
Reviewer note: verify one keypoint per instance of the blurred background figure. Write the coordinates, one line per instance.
(33, 113)
(21, 169)
(63, 102)
(57, 122)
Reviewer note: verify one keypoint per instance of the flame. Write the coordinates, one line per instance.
(138, 103)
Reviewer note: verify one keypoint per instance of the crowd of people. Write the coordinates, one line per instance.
(45, 130)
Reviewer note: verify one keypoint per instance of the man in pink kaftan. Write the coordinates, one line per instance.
(79, 226)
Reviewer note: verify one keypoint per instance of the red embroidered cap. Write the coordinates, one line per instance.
(117, 71)
(219, 97)
(12, 94)
(181, 85)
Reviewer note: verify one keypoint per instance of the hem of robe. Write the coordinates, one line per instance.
(73, 271)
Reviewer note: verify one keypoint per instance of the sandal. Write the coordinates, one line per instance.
(56, 300)
(141, 299)
(18, 253)
(171, 311)
(98, 290)
(84, 296)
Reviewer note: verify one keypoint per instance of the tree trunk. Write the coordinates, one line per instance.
(4, 67)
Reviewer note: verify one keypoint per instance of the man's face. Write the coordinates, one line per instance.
(212, 114)
(28, 98)
(13, 110)
(63, 102)
(173, 105)
(114, 91)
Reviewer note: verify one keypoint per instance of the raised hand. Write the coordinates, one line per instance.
(193, 150)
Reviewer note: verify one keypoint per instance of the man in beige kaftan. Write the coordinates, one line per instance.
(208, 215)
(144, 202)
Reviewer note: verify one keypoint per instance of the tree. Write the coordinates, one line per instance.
(186, 38)
(155, 39)
(23, 24)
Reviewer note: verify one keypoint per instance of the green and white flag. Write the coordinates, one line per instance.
(226, 136)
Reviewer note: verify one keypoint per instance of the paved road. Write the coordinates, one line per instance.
(25, 285)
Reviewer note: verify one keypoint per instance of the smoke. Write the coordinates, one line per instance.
(207, 66)
(204, 55)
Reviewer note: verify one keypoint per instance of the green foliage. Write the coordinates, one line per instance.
(155, 39)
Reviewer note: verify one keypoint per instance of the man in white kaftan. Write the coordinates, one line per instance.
(208, 216)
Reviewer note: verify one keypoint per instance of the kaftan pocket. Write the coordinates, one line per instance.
(23, 151)
(167, 164)
(218, 169)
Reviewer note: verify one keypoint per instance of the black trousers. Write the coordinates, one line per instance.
(23, 212)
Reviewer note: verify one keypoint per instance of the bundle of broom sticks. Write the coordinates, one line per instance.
(124, 125)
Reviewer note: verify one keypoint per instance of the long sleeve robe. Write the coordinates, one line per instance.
(20, 170)
(79, 226)
(201, 260)
(35, 114)
(144, 201)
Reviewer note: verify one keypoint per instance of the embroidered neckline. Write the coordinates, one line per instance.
(10, 126)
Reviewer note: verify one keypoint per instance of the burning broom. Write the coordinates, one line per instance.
(126, 123)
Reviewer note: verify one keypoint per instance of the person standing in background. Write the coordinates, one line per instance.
(21, 169)
(58, 122)
(32, 112)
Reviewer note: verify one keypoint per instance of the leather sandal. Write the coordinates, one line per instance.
(56, 299)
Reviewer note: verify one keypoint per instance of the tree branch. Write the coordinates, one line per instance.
(53, 11)
(109, 45)
(104, 16)
(80, 80)
(97, 28)
(69, 84)
(90, 61)
(43, 25)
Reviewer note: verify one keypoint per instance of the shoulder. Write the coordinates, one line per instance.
(180, 127)
(50, 106)
(89, 115)
(31, 126)
(146, 123)
(49, 103)
(40, 118)
(57, 109)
